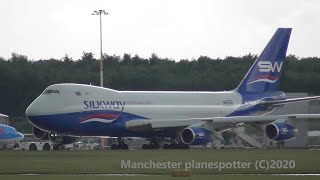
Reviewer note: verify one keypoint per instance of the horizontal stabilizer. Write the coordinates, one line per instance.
(287, 101)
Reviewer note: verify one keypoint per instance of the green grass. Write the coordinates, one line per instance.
(95, 162)
(167, 177)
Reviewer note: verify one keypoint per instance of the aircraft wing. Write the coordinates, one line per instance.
(287, 101)
(148, 125)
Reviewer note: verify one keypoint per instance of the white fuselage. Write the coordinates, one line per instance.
(154, 105)
(85, 110)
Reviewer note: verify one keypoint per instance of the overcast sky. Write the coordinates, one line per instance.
(177, 29)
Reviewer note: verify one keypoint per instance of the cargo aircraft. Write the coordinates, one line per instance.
(176, 118)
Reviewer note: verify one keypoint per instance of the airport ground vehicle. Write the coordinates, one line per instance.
(33, 145)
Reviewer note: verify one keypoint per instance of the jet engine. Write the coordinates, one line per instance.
(280, 131)
(196, 136)
(40, 134)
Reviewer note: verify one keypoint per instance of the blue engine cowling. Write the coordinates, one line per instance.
(196, 136)
(280, 131)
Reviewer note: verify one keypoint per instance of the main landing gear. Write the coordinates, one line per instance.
(280, 145)
(175, 143)
(175, 146)
(120, 145)
(154, 144)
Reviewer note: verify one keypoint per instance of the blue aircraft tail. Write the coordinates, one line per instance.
(264, 75)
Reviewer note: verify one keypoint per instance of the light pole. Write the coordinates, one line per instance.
(100, 12)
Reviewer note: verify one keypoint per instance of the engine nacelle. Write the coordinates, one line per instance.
(280, 131)
(196, 136)
(38, 133)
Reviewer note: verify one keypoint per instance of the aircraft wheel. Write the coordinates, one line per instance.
(150, 146)
(186, 146)
(165, 146)
(114, 146)
(145, 146)
(60, 147)
(125, 146)
(176, 146)
(155, 146)
(32, 147)
(55, 147)
(46, 147)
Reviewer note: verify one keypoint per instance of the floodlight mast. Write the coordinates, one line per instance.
(100, 12)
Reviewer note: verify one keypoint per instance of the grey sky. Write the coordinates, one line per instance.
(177, 29)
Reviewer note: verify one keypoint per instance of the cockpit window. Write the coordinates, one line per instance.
(50, 91)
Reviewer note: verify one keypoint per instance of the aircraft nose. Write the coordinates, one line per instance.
(21, 136)
(39, 111)
(31, 110)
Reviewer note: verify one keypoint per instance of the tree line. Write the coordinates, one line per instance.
(22, 80)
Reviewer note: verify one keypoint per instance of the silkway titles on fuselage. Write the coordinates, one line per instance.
(113, 105)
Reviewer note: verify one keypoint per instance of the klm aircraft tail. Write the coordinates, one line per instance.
(264, 75)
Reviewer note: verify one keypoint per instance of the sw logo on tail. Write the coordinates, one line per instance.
(267, 66)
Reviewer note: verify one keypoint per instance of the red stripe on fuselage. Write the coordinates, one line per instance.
(102, 116)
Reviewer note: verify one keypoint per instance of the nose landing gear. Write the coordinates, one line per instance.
(121, 145)
(58, 146)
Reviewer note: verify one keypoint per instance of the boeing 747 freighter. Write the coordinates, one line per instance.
(180, 119)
